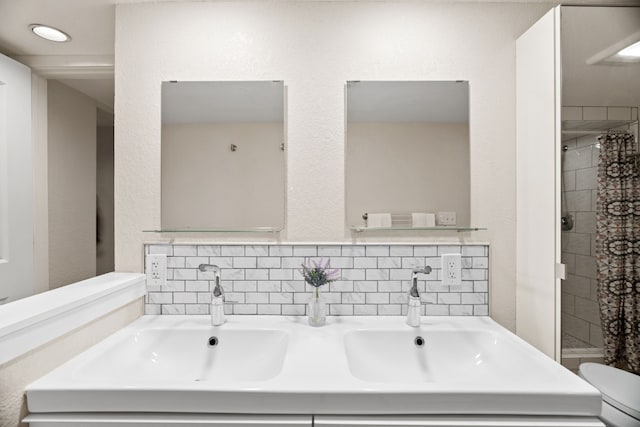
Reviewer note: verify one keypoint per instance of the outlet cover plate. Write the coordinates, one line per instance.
(447, 218)
(452, 269)
(156, 270)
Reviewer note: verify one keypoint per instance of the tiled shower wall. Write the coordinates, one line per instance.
(264, 279)
(580, 317)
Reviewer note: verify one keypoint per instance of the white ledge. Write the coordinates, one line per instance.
(31, 322)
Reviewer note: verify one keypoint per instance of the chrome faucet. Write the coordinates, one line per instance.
(413, 311)
(217, 295)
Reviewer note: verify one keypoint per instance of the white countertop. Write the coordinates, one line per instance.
(163, 364)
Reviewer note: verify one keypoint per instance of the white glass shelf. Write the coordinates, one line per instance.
(216, 230)
(440, 228)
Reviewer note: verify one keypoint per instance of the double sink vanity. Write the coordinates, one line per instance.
(277, 370)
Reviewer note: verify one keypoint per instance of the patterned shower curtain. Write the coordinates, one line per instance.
(618, 249)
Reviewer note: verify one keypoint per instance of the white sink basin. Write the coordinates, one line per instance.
(415, 356)
(281, 365)
(188, 355)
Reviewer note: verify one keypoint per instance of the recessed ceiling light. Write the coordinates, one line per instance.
(49, 33)
(633, 50)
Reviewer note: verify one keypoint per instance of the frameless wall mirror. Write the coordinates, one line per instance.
(223, 161)
(407, 150)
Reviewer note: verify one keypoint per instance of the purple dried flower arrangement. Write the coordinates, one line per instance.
(319, 273)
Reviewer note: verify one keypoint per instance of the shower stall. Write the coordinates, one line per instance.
(582, 338)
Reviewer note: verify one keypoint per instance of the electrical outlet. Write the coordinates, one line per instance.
(156, 269)
(446, 218)
(451, 269)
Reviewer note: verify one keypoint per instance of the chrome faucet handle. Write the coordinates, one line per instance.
(217, 291)
(413, 292)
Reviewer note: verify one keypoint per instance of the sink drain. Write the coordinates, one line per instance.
(419, 342)
(213, 341)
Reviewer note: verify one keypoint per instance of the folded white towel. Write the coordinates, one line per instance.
(379, 220)
(420, 219)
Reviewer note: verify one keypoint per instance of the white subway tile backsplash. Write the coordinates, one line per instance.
(269, 309)
(173, 309)
(292, 262)
(329, 251)
(160, 297)
(257, 274)
(265, 279)
(221, 261)
(449, 249)
(185, 250)
(437, 310)
(269, 286)
(305, 251)
(377, 250)
(208, 250)
(232, 274)
(341, 310)
(195, 261)
(152, 309)
(413, 262)
(449, 298)
(244, 262)
(473, 250)
(353, 274)
(390, 286)
(341, 286)
(353, 297)
(245, 309)
(269, 262)
(280, 274)
(257, 298)
(342, 262)
(261, 250)
(196, 286)
(281, 250)
(365, 310)
(293, 309)
(293, 286)
(401, 251)
(377, 298)
(365, 262)
(184, 274)
(175, 262)
(204, 297)
(389, 309)
(281, 298)
(376, 274)
(196, 309)
(425, 251)
(365, 286)
(160, 250)
(389, 262)
(174, 286)
(185, 298)
(461, 310)
(232, 251)
(481, 310)
(245, 286)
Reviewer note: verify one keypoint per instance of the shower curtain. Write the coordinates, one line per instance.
(618, 250)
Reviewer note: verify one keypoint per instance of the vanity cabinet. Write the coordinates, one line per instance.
(452, 421)
(167, 420)
(232, 420)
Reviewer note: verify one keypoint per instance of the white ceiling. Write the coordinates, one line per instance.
(91, 26)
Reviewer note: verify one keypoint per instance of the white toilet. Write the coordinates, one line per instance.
(620, 393)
